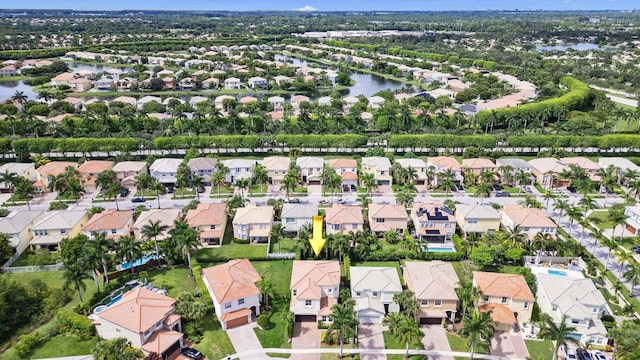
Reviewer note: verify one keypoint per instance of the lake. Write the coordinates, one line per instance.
(578, 47)
(365, 84)
(9, 88)
(95, 68)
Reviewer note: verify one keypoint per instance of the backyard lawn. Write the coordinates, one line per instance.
(59, 346)
(284, 246)
(176, 280)
(458, 343)
(541, 349)
(279, 271)
(230, 251)
(391, 342)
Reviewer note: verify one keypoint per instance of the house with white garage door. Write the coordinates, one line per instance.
(373, 289)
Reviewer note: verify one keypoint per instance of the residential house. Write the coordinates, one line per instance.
(17, 225)
(443, 165)
(80, 84)
(8, 70)
(621, 163)
(530, 221)
(187, 84)
(104, 84)
(477, 166)
(254, 223)
(203, 166)
(433, 221)
(297, 100)
(257, 82)
(210, 220)
(53, 168)
(477, 219)
(145, 318)
(277, 102)
(282, 80)
(343, 219)
(311, 169)
(127, 171)
(114, 224)
(507, 296)
(375, 102)
(434, 284)
(315, 287)
(380, 167)
(164, 170)
(589, 166)
(57, 225)
(211, 83)
(577, 300)
(516, 166)
(232, 286)
(373, 289)
(347, 169)
(632, 224)
(387, 217)
(546, 172)
(294, 216)
(90, 170)
(416, 165)
(276, 167)
(232, 84)
(238, 169)
(166, 217)
(62, 79)
(26, 170)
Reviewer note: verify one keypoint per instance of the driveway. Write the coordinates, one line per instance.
(383, 190)
(370, 338)
(435, 338)
(244, 339)
(509, 345)
(314, 190)
(306, 335)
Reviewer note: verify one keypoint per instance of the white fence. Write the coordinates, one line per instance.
(23, 269)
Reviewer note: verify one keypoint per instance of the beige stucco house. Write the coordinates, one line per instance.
(254, 223)
(166, 217)
(114, 224)
(387, 217)
(54, 226)
(210, 220)
(478, 219)
(380, 167)
(507, 296)
(344, 219)
(434, 284)
(276, 167)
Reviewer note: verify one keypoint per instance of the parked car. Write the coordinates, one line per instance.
(636, 249)
(192, 353)
(353, 187)
(124, 192)
(583, 354)
(293, 200)
(598, 355)
(170, 189)
(502, 194)
(138, 200)
(572, 189)
(571, 354)
(200, 190)
(527, 188)
(460, 187)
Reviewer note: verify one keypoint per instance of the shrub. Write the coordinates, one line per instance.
(57, 206)
(26, 344)
(264, 320)
(70, 322)
(241, 241)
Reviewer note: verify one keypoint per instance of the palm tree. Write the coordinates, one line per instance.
(515, 237)
(483, 190)
(618, 217)
(218, 179)
(522, 177)
(562, 206)
(129, 249)
(267, 290)
(393, 321)
(548, 195)
(102, 246)
(632, 275)
(623, 256)
(143, 181)
(340, 245)
(75, 188)
(151, 231)
(560, 334)
(588, 203)
(24, 190)
(407, 301)
(477, 327)
(260, 176)
(19, 97)
(186, 239)
(468, 294)
(368, 181)
(447, 184)
(608, 179)
(278, 233)
(530, 202)
(408, 333)
(243, 185)
(159, 188)
(10, 179)
(197, 183)
(574, 214)
(343, 325)
(74, 275)
(333, 182)
(611, 245)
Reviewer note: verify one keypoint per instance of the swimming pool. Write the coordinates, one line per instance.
(426, 248)
(101, 308)
(556, 272)
(141, 261)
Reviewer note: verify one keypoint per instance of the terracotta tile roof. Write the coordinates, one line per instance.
(161, 340)
(507, 285)
(95, 167)
(207, 214)
(308, 276)
(252, 214)
(109, 219)
(387, 211)
(445, 161)
(276, 163)
(348, 175)
(478, 163)
(528, 217)
(233, 280)
(54, 168)
(500, 314)
(139, 310)
(548, 165)
(343, 163)
(341, 214)
(235, 314)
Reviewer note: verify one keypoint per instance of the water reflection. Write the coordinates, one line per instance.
(9, 88)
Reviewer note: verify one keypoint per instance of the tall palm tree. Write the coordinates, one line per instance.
(24, 190)
(562, 206)
(522, 177)
(393, 321)
(343, 325)
(267, 290)
(186, 239)
(623, 256)
(218, 179)
(10, 179)
(477, 327)
(243, 185)
(632, 275)
(408, 333)
(574, 214)
(548, 195)
(74, 275)
(333, 182)
(515, 237)
(611, 244)
(447, 184)
(151, 231)
(102, 246)
(408, 304)
(197, 183)
(608, 179)
(368, 181)
(159, 189)
(143, 181)
(560, 334)
(260, 176)
(75, 188)
(483, 190)
(468, 294)
(588, 203)
(277, 233)
(618, 217)
(129, 249)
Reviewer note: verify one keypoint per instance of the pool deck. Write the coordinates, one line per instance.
(567, 273)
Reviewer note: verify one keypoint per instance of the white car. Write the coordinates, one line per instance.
(571, 354)
(599, 355)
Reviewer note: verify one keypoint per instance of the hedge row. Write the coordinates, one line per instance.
(24, 147)
(205, 142)
(441, 141)
(343, 140)
(570, 141)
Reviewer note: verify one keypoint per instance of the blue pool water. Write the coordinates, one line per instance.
(438, 249)
(557, 272)
(142, 260)
(114, 300)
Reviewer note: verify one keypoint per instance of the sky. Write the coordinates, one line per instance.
(327, 5)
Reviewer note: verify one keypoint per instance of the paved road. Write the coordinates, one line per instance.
(623, 99)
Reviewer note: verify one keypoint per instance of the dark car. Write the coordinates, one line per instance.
(459, 187)
(200, 190)
(583, 354)
(138, 199)
(636, 249)
(170, 189)
(294, 201)
(502, 194)
(124, 192)
(572, 189)
(192, 353)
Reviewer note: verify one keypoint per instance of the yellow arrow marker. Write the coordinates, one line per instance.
(317, 242)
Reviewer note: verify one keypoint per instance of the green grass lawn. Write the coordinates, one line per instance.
(540, 349)
(279, 271)
(337, 346)
(23, 260)
(230, 251)
(276, 335)
(176, 280)
(458, 343)
(180, 193)
(59, 346)
(284, 246)
(600, 219)
(225, 191)
(391, 342)
(215, 343)
(464, 269)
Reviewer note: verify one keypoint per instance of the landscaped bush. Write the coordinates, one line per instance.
(26, 344)
(264, 320)
(442, 141)
(241, 241)
(322, 141)
(196, 268)
(70, 322)
(443, 256)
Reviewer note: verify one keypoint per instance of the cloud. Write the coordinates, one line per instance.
(307, 8)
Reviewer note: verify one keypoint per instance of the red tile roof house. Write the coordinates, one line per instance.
(145, 318)
(232, 287)
(315, 286)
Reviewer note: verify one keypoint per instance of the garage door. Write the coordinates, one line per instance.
(237, 322)
(369, 319)
(305, 318)
(430, 321)
(631, 229)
